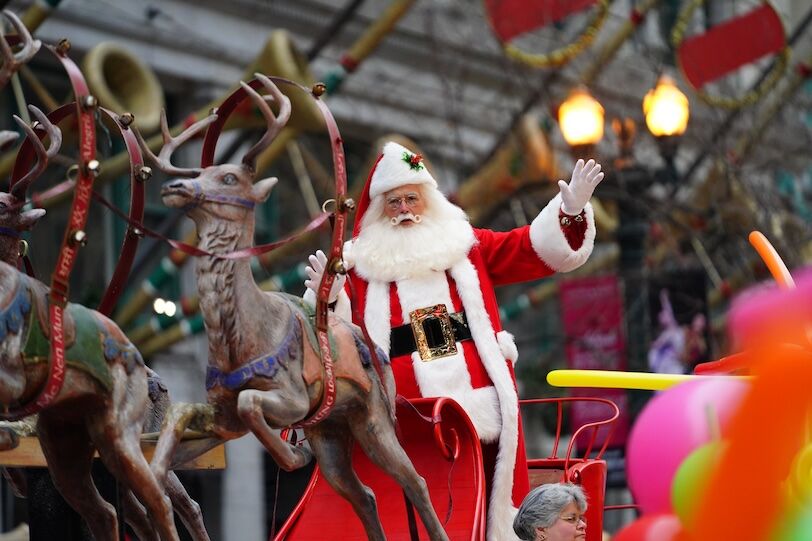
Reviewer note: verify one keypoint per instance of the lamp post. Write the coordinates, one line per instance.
(581, 118)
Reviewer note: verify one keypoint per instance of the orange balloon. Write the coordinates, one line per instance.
(764, 437)
(771, 258)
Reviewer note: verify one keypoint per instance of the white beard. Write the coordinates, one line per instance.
(386, 253)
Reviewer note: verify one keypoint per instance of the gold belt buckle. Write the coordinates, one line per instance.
(419, 318)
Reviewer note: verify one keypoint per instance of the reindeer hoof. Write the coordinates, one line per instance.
(9, 439)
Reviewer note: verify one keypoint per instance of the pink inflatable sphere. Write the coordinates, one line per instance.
(659, 527)
(674, 423)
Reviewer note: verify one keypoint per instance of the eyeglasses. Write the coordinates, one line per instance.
(411, 200)
(574, 519)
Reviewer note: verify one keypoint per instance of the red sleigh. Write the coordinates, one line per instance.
(442, 444)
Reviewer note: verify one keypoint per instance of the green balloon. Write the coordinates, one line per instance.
(691, 478)
(798, 528)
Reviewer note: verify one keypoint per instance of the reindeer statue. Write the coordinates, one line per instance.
(102, 403)
(264, 371)
(14, 220)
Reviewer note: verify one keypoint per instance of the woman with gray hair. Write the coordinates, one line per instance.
(552, 512)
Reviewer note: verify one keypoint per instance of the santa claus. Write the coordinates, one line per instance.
(423, 280)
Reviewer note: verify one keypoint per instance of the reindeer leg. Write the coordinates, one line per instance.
(17, 480)
(332, 445)
(124, 457)
(116, 431)
(281, 409)
(10, 432)
(136, 517)
(177, 419)
(186, 508)
(379, 441)
(69, 453)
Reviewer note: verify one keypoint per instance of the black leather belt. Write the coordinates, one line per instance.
(437, 327)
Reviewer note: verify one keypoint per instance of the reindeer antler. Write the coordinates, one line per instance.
(43, 156)
(275, 122)
(162, 161)
(11, 61)
(7, 138)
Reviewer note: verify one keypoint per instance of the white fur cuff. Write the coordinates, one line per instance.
(549, 242)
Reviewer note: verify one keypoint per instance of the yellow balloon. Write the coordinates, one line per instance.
(622, 380)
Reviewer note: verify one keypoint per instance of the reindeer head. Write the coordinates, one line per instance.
(225, 192)
(11, 61)
(13, 218)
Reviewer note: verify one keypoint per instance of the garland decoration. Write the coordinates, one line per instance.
(560, 56)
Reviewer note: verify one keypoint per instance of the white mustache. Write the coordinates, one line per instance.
(416, 218)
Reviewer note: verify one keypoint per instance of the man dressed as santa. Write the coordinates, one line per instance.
(424, 279)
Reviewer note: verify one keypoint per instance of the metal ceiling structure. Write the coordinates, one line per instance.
(440, 77)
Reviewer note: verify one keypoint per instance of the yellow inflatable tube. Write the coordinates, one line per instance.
(621, 380)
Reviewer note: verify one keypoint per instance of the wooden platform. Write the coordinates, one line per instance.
(29, 455)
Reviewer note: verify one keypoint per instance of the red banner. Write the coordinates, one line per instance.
(511, 18)
(592, 316)
(730, 45)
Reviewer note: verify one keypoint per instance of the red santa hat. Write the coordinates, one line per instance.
(396, 167)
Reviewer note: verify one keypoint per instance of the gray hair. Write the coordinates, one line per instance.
(542, 506)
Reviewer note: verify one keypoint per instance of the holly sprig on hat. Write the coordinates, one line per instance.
(415, 161)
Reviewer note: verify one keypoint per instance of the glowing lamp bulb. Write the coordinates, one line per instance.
(581, 118)
(666, 109)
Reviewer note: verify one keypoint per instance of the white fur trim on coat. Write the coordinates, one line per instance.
(377, 314)
(392, 171)
(493, 410)
(500, 509)
(346, 255)
(448, 376)
(549, 242)
(507, 344)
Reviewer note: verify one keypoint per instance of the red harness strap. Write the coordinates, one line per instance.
(138, 177)
(242, 253)
(26, 154)
(88, 168)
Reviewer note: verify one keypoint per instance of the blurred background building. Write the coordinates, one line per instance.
(673, 213)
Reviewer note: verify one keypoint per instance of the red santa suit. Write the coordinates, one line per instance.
(480, 375)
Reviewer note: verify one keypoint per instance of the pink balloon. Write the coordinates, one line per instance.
(674, 423)
(659, 527)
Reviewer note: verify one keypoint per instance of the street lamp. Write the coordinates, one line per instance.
(580, 117)
(667, 111)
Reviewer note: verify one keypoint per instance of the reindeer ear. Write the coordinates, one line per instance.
(29, 218)
(262, 189)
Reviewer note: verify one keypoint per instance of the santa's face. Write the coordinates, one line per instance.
(428, 234)
(404, 206)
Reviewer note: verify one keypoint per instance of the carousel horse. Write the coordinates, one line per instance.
(264, 370)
